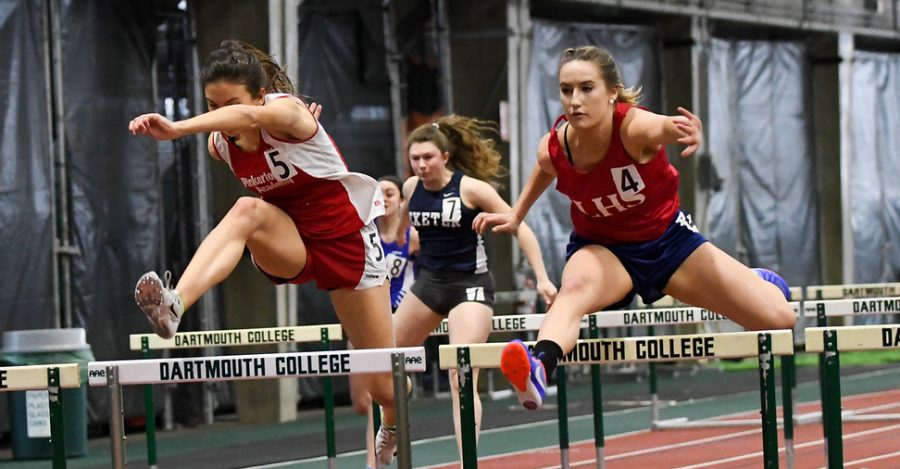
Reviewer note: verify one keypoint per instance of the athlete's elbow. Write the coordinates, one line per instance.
(250, 117)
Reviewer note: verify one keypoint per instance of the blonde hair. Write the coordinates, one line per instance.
(608, 70)
(463, 138)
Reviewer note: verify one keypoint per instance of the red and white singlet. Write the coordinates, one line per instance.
(619, 201)
(307, 179)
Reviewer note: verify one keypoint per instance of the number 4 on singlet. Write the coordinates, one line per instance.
(629, 183)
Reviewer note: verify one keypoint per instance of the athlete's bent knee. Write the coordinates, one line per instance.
(382, 390)
(246, 210)
(783, 317)
(362, 404)
(575, 284)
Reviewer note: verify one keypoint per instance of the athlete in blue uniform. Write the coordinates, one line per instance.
(453, 165)
(400, 243)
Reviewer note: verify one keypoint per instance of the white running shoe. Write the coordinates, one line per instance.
(385, 444)
(160, 304)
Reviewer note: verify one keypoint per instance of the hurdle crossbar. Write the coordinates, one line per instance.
(237, 337)
(34, 377)
(258, 366)
(850, 338)
(681, 315)
(862, 290)
(851, 306)
(637, 349)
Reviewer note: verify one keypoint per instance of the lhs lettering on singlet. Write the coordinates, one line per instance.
(629, 185)
(448, 217)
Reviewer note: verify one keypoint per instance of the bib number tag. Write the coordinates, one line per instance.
(280, 167)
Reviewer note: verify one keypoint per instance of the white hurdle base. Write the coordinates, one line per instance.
(681, 423)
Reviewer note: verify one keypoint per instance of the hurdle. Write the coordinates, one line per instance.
(236, 338)
(51, 378)
(831, 341)
(838, 292)
(824, 309)
(764, 345)
(676, 315)
(531, 323)
(116, 374)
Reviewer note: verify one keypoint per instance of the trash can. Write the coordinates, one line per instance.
(29, 411)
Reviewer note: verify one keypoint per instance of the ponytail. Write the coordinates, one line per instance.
(465, 139)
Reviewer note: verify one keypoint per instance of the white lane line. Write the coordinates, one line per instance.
(848, 436)
(873, 458)
(683, 444)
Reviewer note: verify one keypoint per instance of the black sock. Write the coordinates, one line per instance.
(549, 353)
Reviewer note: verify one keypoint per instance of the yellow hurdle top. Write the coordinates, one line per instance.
(238, 337)
(34, 377)
(638, 349)
(877, 337)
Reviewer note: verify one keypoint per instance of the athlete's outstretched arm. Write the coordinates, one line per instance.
(508, 222)
(529, 244)
(643, 132)
(286, 117)
(487, 199)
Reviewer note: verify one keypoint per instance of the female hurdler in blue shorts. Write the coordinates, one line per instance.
(630, 234)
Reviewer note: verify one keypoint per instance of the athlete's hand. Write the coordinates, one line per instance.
(547, 290)
(153, 125)
(315, 109)
(692, 127)
(505, 222)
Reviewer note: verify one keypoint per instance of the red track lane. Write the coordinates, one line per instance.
(868, 445)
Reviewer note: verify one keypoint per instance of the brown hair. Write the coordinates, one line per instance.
(462, 137)
(239, 62)
(608, 70)
(395, 181)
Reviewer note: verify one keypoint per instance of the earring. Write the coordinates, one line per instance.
(612, 101)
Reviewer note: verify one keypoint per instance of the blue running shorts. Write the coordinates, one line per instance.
(650, 264)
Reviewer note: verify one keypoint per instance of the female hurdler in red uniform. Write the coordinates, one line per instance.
(630, 234)
(312, 220)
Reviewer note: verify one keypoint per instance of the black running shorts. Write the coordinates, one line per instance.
(443, 291)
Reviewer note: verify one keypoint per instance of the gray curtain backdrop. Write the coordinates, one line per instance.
(108, 47)
(26, 221)
(636, 51)
(106, 59)
(763, 210)
(26, 224)
(874, 192)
